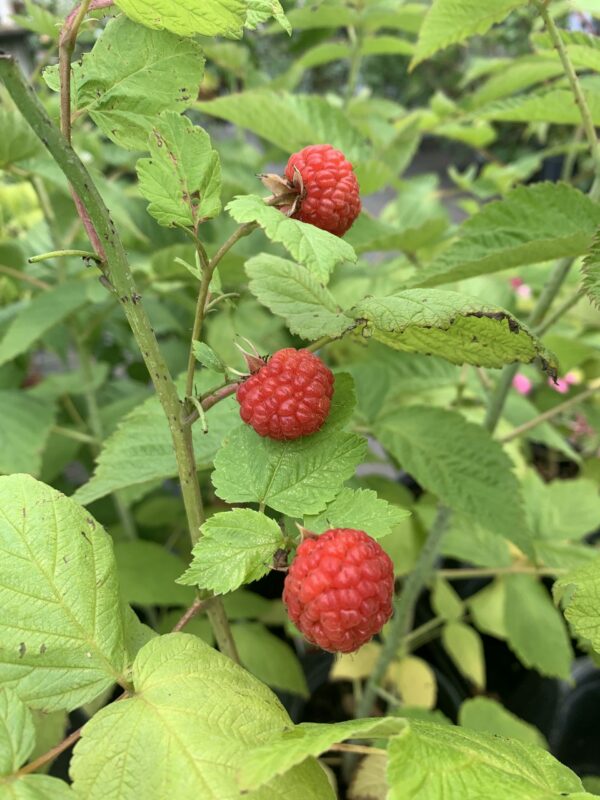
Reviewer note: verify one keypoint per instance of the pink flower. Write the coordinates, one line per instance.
(573, 378)
(560, 385)
(516, 282)
(522, 383)
(524, 291)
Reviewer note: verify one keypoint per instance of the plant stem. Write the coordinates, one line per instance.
(553, 412)
(22, 276)
(210, 400)
(464, 574)
(123, 284)
(77, 436)
(207, 274)
(580, 98)
(404, 609)
(355, 63)
(63, 254)
(560, 312)
(243, 230)
(197, 606)
(46, 758)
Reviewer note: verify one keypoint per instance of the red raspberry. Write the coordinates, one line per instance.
(339, 589)
(288, 397)
(331, 198)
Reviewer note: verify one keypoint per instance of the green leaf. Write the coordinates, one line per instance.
(261, 10)
(360, 509)
(207, 357)
(561, 510)
(465, 540)
(487, 609)
(189, 17)
(386, 45)
(291, 291)
(591, 272)
(18, 140)
(132, 74)
(236, 547)
(460, 463)
(60, 620)
(287, 748)
(579, 594)
(554, 106)
(536, 630)
(182, 178)
(17, 737)
(520, 74)
(445, 602)
(200, 714)
(25, 424)
(147, 574)
(319, 250)
(451, 21)
(487, 716)
(429, 761)
(463, 645)
(289, 121)
(17, 740)
(457, 327)
(269, 658)
(141, 449)
(511, 232)
(296, 478)
(41, 314)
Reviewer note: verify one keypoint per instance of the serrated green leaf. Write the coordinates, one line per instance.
(429, 761)
(554, 106)
(511, 232)
(360, 509)
(269, 658)
(487, 716)
(41, 314)
(141, 448)
(62, 629)
(133, 74)
(289, 121)
(147, 574)
(520, 74)
(465, 540)
(561, 510)
(591, 272)
(259, 11)
(200, 714)
(236, 547)
(25, 424)
(454, 326)
(319, 250)
(460, 463)
(579, 594)
(451, 21)
(294, 293)
(207, 357)
(189, 17)
(296, 478)
(463, 645)
(182, 178)
(536, 631)
(286, 748)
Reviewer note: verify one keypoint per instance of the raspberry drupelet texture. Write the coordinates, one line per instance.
(288, 397)
(331, 198)
(339, 589)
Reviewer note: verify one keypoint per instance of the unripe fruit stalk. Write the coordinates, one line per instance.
(288, 397)
(339, 589)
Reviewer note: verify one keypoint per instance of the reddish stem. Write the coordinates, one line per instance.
(197, 606)
(95, 5)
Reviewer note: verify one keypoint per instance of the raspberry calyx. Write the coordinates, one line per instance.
(288, 397)
(339, 589)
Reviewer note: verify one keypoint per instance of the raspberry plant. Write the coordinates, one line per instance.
(391, 408)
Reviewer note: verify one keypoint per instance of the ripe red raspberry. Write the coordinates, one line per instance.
(331, 198)
(288, 397)
(339, 589)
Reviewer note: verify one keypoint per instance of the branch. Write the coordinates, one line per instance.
(197, 606)
(209, 400)
(45, 758)
(123, 284)
(553, 412)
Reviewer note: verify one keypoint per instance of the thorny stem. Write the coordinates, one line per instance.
(404, 610)
(552, 288)
(553, 412)
(123, 285)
